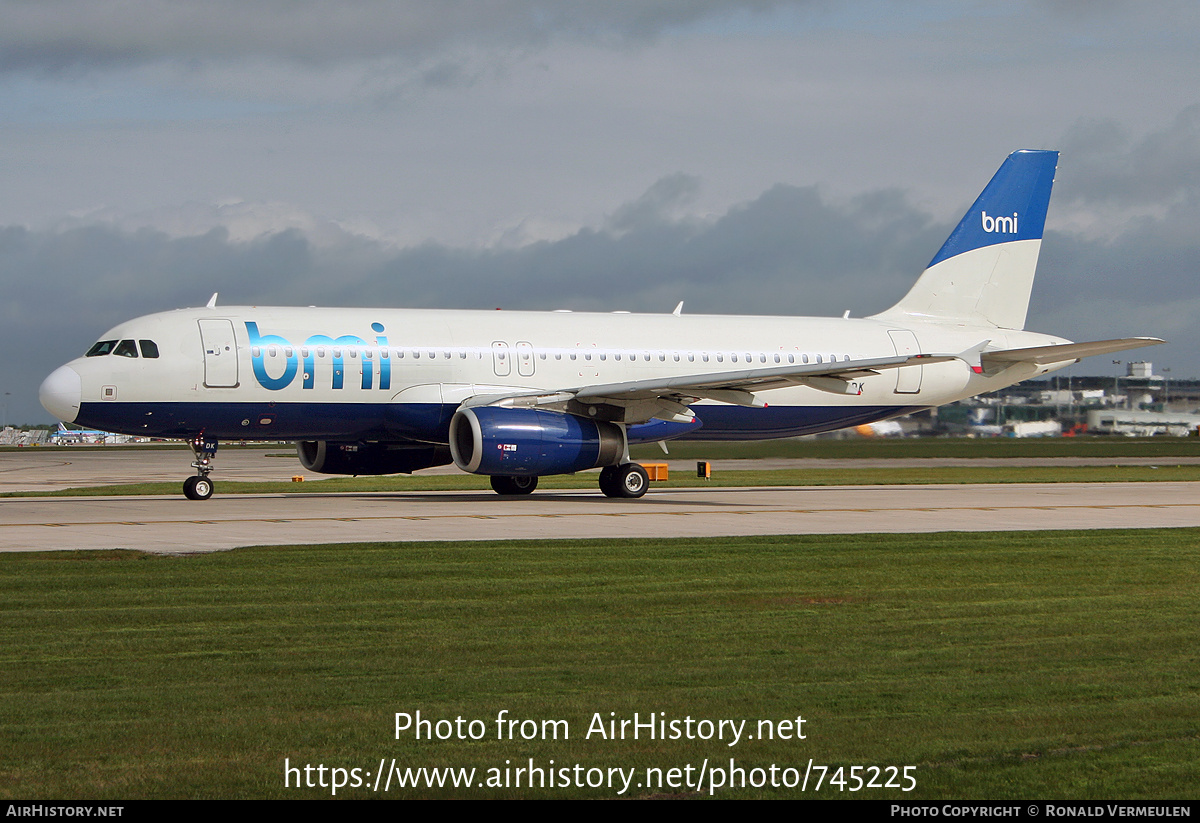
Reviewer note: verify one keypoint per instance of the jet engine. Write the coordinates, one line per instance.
(330, 457)
(531, 442)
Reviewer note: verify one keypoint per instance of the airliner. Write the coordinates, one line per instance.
(516, 395)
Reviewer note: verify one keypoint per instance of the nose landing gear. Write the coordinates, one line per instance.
(199, 487)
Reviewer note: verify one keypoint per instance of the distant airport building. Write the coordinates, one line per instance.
(1140, 402)
(1142, 423)
(10, 436)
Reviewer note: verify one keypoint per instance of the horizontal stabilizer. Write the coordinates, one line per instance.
(1048, 355)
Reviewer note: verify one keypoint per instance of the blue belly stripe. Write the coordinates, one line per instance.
(430, 422)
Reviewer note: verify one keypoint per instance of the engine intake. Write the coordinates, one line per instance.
(515, 442)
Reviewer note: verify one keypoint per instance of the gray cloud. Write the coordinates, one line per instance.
(1108, 165)
(156, 151)
(789, 251)
(666, 199)
(57, 35)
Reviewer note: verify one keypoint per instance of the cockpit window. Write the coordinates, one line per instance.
(126, 348)
(102, 348)
(149, 348)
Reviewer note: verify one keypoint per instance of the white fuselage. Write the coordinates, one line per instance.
(319, 373)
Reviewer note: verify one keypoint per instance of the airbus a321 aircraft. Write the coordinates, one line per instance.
(517, 395)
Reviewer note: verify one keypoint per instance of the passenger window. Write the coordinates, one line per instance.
(102, 348)
(126, 348)
(149, 348)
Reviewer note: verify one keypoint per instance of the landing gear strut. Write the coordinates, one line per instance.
(629, 480)
(199, 487)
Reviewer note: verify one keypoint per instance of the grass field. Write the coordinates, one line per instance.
(1006, 666)
(877, 448)
(1094, 448)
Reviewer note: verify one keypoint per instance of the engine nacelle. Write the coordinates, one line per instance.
(515, 442)
(369, 458)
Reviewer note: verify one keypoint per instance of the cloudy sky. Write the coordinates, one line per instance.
(756, 156)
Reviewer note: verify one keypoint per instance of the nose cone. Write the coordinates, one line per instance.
(60, 393)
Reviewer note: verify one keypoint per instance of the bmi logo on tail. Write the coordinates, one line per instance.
(1002, 225)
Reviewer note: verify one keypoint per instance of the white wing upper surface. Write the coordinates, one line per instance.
(668, 397)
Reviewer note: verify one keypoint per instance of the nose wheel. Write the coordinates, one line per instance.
(199, 486)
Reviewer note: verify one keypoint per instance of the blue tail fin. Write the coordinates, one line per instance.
(983, 273)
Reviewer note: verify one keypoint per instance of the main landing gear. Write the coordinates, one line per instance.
(508, 485)
(628, 480)
(199, 487)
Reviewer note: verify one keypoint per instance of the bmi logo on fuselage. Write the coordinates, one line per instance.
(277, 348)
(1000, 225)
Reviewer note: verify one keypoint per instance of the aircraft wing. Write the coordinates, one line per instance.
(748, 380)
(667, 398)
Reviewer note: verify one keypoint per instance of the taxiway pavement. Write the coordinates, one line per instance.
(175, 525)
